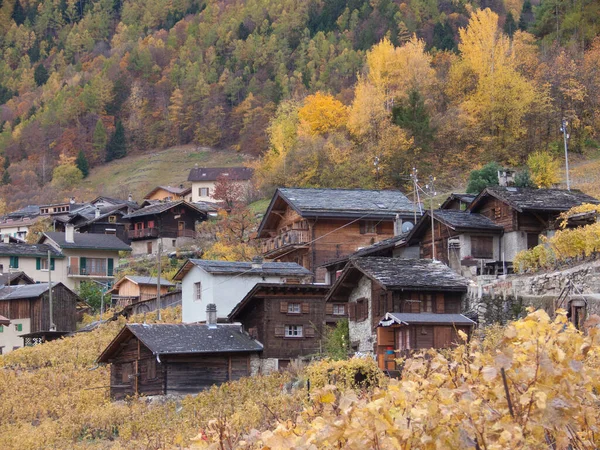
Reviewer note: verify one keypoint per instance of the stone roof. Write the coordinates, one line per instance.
(161, 207)
(169, 339)
(4, 321)
(8, 277)
(28, 250)
(529, 199)
(21, 291)
(347, 202)
(423, 274)
(88, 241)
(465, 198)
(457, 219)
(420, 318)
(214, 173)
(244, 268)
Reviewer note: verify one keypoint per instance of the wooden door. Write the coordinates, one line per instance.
(181, 226)
(442, 337)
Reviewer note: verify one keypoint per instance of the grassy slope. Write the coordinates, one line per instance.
(139, 174)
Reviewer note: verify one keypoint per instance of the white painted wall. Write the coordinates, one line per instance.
(226, 291)
(196, 185)
(10, 337)
(141, 247)
(361, 331)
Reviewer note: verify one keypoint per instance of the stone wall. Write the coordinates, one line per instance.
(361, 332)
(505, 299)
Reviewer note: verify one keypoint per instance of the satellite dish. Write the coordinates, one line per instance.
(407, 226)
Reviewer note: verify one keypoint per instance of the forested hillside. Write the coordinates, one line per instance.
(446, 90)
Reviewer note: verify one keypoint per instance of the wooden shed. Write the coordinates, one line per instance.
(133, 289)
(163, 359)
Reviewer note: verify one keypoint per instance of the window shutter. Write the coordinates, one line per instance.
(279, 330)
(362, 227)
(352, 311)
(283, 307)
(82, 267)
(51, 263)
(328, 308)
(111, 267)
(38, 263)
(309, 331)
(305, 308)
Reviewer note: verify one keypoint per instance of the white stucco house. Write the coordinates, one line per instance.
(226, 283)
(204, 179)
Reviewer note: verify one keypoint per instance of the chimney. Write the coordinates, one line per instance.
(97, 212)
(506, 177)
(181, 186)
(72, 200)
(211, 315)
(257, 262)
(6, 238)
(397, 225)
(70, 233)
(130, 197)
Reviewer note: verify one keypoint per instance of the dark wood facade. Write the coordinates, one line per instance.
(113, 224)
(37, 309)
(269, 309)
(176, 221)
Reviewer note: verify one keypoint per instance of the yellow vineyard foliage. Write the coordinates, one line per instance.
(355, 373)
(537, 390)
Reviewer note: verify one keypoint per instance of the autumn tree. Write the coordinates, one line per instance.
(66, 175)
(322, 113)
(35, 231)
(229, 191)
(544, 169)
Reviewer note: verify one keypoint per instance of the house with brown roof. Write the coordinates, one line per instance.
(159, 359)
(400, 304)
(290, 320)
(203, 180)
(313, 226)
(170, 193)
(171, 223)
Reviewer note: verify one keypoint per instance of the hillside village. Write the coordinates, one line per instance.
(405, 278)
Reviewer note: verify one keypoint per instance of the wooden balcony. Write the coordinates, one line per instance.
(73, 271)
(150, 233)
(277, 245)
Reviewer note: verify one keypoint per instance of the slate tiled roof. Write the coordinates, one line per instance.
(159, 208)
(411, 273)
(89, 241)
(8, 277)
(529, 199)
(465, 198)
(239, 267)
(169, 339)
(4, 321)
(464, 220)
(347, 202)
(213, 173)
(411, 318)
(28, 250)
(23, 291)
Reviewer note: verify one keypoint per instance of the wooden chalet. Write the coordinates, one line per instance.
(458, 201)
(425, 297)
(288, 319)
(467, 242)
(172, 223)
(525, 213)
(170, 193)
(313, 226)
(101, 220)
(27, 307)
(133, 289)
(161, 359)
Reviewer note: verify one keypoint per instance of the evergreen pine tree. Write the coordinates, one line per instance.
(412, 115)
(443, 37)
(18, 13)
(6, 175)
(40, 75)
(99, 140)
(510, 26)
(526, 14)
(117, 146)
(82, 164)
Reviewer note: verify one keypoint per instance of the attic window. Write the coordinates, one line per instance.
(112, 219)
(511, 189)
(381, 206)
(226, 174)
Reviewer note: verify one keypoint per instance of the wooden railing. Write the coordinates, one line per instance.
(291, 237)
(164, 232)
(84, 271)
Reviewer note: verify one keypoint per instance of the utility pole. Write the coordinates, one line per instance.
(566, 136)
(431, 195)
(376, 164)
(158, 279)
(52, 326)
(416, 194)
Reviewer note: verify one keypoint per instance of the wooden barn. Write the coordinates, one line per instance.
(422, 298)
(133, 289)
(27, 308)
(163, 359)
(288, 319)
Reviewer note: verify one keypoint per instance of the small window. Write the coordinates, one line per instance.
(369, 227)
(427, 304)
(112, 219)
(294, 308)
(293, 331)
(149, 247)
(198, 291)
(362, 309)
(174, 242)
(1, 328)
(339, 310)
(19, 326)
(204, 192)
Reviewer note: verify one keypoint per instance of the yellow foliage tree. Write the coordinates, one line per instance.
(66, 175)
(322, 113)
(544, 169)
